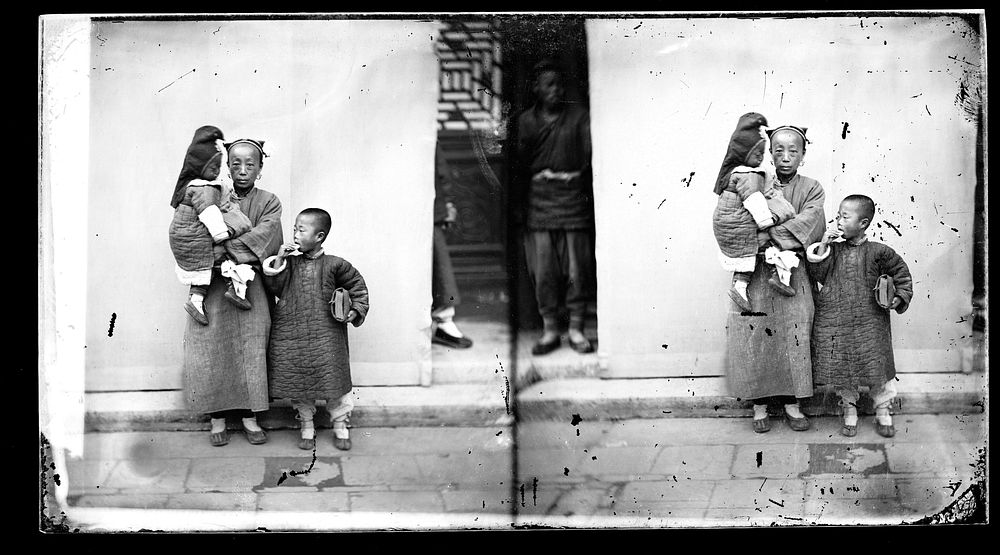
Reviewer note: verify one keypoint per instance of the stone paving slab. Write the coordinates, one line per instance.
(152, 476)
(325, 501)
(371, 470)
(88, 476)
(781, 460)
(225, 474)
(124, 501)
(233, 501)
(463, 468)
(703, 461)
(396, 502)
(477, 500)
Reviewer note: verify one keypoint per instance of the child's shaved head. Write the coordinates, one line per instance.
(864, 204)
(321, 218)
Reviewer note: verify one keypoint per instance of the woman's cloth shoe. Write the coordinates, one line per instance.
(849, 431)
(885, 430)
(256, 438)
(195, 313)
(776, 284)
(307, 444)
(219, 439)
(442, 338)
(761, 425)
(744, 304)
(797, 424)
(582, 347)
(545, 348)
(232, 297)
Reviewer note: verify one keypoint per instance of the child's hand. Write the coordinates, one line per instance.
(896, 301)
(830, 236)
(352, 314)
(288, 249)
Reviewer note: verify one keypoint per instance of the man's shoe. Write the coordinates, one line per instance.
(545, 348)
(442, 338)
(232, 297)
(582, 347)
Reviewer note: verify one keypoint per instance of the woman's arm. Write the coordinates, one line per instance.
(804, 228)
(263, 239)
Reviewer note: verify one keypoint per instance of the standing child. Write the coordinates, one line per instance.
(851, 337)
(308, 350)
(204, 216)
(748, 172)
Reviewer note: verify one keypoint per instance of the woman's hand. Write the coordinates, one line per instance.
(781, 211)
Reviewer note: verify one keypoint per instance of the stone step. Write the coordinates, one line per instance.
(550, 399)
(615, 399)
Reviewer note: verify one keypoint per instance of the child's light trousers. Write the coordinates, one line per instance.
(339, 409)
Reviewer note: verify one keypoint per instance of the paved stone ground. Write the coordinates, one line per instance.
(678, 471)
(717, 472)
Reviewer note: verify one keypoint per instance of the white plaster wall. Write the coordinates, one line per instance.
(348, 110)
(665, 97)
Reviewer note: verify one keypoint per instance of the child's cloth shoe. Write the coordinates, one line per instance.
(196, 314)
(848, 430)
(307, 444)
(775, 282)
(341, 437)
(232, 297)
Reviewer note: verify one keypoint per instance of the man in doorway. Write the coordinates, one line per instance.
(443, 285)
(554, 154)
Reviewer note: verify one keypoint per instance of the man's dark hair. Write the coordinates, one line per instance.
(866, 206)
(547, 64)
(322, 218)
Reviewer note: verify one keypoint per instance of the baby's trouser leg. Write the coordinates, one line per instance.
(849, 397)
(199, 290)
(305, 409)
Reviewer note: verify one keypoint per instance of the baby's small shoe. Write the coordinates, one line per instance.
(775, 282)
(231, 296)
(740, 300)
(196, 314)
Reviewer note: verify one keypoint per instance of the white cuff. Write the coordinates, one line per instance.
(268, 270)
(212, 218)
(756, 204)
(811, 255)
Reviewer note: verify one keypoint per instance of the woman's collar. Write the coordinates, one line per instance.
(790, 179)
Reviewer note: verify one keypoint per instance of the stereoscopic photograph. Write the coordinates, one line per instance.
(491, 271)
